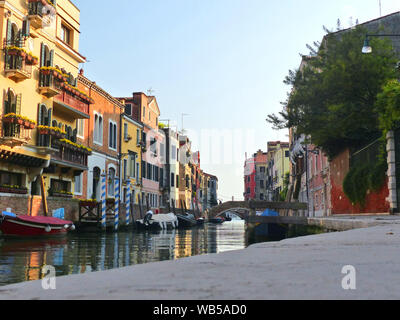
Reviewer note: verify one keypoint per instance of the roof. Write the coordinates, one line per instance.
(390, 24)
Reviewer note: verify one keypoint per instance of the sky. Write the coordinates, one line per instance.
(220, 62)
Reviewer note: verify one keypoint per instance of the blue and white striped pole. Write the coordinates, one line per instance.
(103, 202)
(117, 197)
(128, 202)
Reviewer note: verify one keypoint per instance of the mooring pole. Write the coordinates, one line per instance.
(117, 197)
(128, 202)
(103, 202)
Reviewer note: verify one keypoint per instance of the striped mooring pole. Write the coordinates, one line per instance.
(103, 202)
(117, 197)
(128, 202)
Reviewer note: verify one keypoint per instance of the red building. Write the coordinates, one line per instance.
(249, 179)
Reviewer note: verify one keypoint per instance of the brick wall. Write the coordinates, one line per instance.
(28, 205)
(375, 202)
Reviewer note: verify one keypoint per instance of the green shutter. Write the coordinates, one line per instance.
(51, 58)
(26, 26)
(9, 32)
(18, 100)
(42, 55)
(39, 114)
(7, 104)
(49, 117)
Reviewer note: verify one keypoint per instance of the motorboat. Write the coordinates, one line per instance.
(217, 220)
(28, 226)
(158, 221)
(187, 220)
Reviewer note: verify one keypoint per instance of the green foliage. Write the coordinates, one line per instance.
(360, 179)
(388, 106)
(285, 190)
(335, 91)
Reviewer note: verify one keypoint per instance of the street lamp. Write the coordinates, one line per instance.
(367, 47)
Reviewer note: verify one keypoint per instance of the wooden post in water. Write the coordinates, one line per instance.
(44, 199)
(140, 206)
(128, 203)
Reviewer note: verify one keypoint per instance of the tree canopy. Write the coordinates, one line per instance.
(334, 96)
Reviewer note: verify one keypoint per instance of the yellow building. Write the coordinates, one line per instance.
(40, 64)
(281, 165)
(131, 154)
(185, 173)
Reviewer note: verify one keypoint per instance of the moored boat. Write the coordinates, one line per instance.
(28, 226)
(186, 221)
(158, 221)
(217, 220)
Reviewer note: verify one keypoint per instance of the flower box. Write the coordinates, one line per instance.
(90, 204)
(13, 190)
(60, 195)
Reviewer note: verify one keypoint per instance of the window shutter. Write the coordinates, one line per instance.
(74, 134)
(26, 28)
(18, 100)
(42, 55)
(6, 103)
(49, 116)
(51, 58)
(9, 32)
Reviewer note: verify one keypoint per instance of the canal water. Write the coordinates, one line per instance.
(24, 260)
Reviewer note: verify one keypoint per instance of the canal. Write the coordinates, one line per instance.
(24, 260)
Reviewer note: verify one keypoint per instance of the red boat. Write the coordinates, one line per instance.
(27, 226)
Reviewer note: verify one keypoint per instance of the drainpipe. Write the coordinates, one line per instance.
(394, 210)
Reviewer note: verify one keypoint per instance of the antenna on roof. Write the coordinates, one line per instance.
(150, 91)
(380, 8)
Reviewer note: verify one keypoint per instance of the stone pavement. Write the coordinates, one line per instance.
(301, 268)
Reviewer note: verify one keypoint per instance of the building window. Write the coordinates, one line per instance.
(112, 139)
(172, 179)
(128, 109)
(173, 152)
(132, 160)
(98, 129)
(125, 131)
(78, 184)
(137, 136)
(111, 182)
(286, 154)
(10, 179)
(66, 35)
(125, 169)
(262, 184)
(80, 128)
(177, 181)
(261, 196)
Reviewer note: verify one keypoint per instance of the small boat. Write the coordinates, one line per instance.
(186, 221)
(200, 221)
(158, 221)
(217, 220)
(27, 226)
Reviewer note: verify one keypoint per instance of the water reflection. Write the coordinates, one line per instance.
(23, 260)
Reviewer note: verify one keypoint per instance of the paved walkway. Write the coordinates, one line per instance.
(302, 268)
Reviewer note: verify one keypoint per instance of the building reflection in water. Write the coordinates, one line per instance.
(23, 260)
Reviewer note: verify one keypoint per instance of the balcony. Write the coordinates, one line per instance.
(48, 85)
(40, 12)
(69, 156)
(16, 67)
(14, 134)
(74, 105)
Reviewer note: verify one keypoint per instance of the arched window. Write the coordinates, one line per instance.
(10, 102)
(54, 124)
(111, 182)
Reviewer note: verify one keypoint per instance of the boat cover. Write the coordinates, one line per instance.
(44, 220)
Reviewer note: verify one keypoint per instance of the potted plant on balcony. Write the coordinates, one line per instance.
(10, 118)
(43, 130)
(45, 71)
(91, 203)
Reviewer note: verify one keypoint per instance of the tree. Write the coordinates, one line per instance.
(334, 94)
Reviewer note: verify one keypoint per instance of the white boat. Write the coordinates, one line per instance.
(158, 221)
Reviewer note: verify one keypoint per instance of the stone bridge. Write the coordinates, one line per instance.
(244, 209)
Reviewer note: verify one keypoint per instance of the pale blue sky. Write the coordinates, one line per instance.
(221, 61)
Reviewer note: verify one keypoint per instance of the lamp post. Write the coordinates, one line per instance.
(367, 47)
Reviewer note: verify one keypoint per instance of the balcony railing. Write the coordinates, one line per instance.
(48, 85)
(73, 102)
(16, 68)
(13, 134)
(69, 154)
